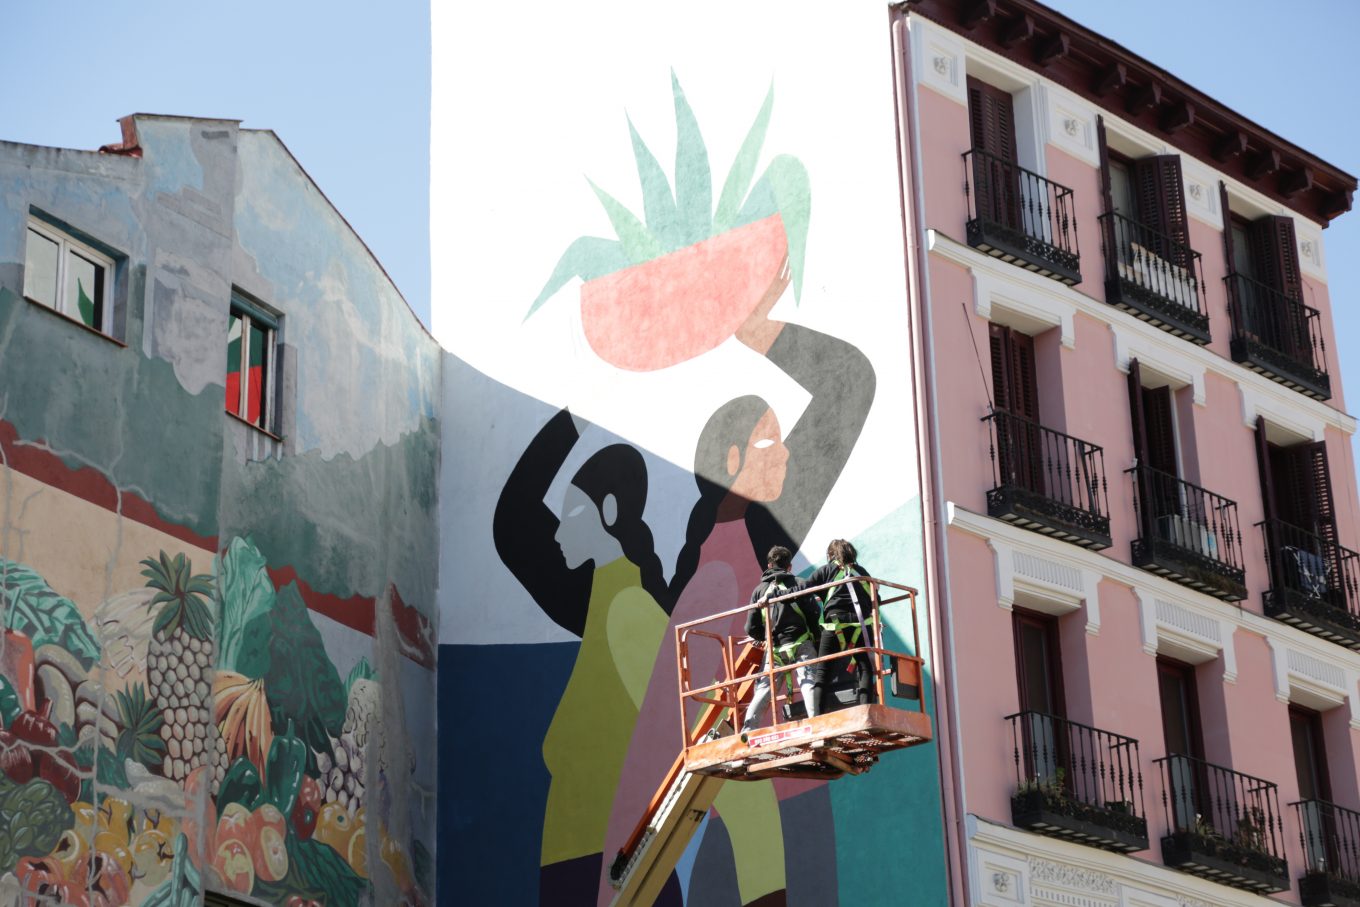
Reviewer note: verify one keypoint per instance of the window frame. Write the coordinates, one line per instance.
(67, 245)
(253, 313)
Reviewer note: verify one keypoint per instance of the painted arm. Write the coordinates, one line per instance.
(841, 381)
(524, 528)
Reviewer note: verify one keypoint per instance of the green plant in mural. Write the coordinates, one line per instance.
(180, 657)
(140, 738)
(34, 609)
(361, 671)
(675, 220)
(246, 597)
(303, 685)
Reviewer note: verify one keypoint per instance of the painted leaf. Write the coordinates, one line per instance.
(587, 258)
(303, 685)
(788, 180)
(245, 599)
(638, 242)
(658, 204)
(693, 181)
(34, 609)
(743, 169)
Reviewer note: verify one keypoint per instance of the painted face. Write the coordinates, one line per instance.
(581, 534)
(765, 464)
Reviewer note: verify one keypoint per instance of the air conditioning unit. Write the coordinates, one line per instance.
(1188, 534)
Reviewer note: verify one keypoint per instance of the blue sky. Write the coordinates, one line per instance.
(345, 84)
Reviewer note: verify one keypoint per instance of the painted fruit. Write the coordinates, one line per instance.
(334, 827)
(358, 854)
(235, 824)
(151, 856)
(108, 880)
(16, 759)
(16, 663)
(304, 811)
(234, 865)
(35, 873)
(115, 816)
(62, 772)
(71, 848)
(391, 854)
(270, 852)
(114, 847)
(200, 821)
(673, 308)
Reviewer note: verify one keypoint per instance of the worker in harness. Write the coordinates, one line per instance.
(847, 621)
(792, 625)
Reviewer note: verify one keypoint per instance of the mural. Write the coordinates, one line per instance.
(190, 732)
(680, 281)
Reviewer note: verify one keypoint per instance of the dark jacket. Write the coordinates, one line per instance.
(789, 620)
(839, 608)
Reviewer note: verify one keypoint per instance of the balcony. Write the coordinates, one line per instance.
(1155, 278)
(1331, 848)
(1020, 217)
(1222, 825)
(1313, 583)
(1187, 534)
(1278, 336)
(1047, 482)
(1078, 783)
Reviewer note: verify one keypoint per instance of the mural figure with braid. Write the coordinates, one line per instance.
(666, 292)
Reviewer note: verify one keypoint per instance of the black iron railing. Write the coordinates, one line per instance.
(1077, 782)
(1222, 825)
(1314, 583)
(1048, 481)
(1188, 534)
(1278, 336)
(1017, 215)
(1157, 278)
(1330, 836)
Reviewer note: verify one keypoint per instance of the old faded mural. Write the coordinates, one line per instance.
(605, 540)
(215, 675)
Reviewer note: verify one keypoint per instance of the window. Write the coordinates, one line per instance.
(68, 276)
(991, 125)
(251, 362)
(1038, 671)
(1153, 415)
(1181, 733)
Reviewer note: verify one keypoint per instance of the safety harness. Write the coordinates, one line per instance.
(858, 628)
(785, 654)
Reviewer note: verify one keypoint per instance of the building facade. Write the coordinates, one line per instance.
(218, 464)
(1140, 519)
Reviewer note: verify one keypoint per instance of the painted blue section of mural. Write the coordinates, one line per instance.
(495, 704)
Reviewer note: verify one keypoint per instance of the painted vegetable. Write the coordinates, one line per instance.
(16, 759)
(41, 616)
(284, 770)
(307, 806)
(241, 784)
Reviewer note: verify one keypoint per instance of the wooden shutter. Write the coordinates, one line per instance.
(1136, 412)
(1264, 471)
(1013, 373)
(1161, 437)
(1275, 254)
(1161, 203)
(1229, 258)
(991, 119)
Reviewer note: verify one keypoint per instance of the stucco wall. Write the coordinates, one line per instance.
(265, 726)
(667, 390)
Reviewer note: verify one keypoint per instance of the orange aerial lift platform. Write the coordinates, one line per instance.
(847, 739)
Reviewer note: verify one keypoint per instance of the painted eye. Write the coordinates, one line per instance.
(763, 443)
(575, 511)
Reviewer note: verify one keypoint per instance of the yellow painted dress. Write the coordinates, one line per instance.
(586, 743)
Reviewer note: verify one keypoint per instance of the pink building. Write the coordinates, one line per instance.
(1141, 524)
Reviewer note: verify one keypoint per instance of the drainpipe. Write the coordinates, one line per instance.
(930, 460)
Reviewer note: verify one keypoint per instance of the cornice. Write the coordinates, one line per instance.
(1003, 283)
(1152, 589)
(1113, 78)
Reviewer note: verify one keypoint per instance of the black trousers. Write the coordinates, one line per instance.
(823, 678)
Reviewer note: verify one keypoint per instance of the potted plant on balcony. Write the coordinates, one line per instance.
(680, 281)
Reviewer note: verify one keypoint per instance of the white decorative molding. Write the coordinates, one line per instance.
(1312, 260)
(1312, 680)
(1283, 414)
(1056, 873)
(1072, 126)
(1201, 192)
(1034, 304)
(1005, 294)
(939, 60)
(1169, 360)
(1187, 630)
(1044, 580)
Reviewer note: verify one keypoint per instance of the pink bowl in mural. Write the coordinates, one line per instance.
(664, 311)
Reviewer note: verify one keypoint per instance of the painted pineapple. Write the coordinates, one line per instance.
(179, 661)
